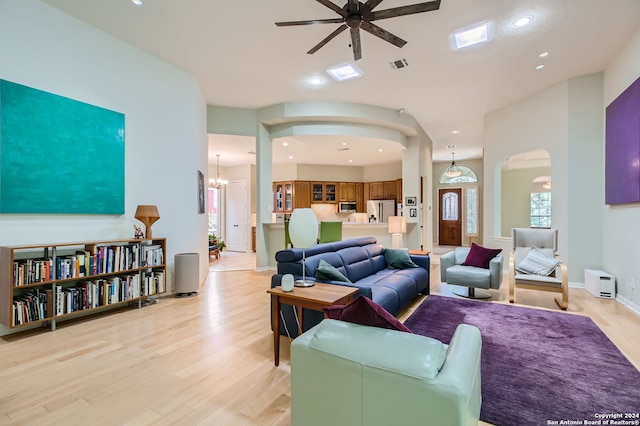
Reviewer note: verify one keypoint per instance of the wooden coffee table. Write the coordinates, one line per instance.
(317, 297)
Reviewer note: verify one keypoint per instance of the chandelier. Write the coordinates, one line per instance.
(217, 183)
(453, 170)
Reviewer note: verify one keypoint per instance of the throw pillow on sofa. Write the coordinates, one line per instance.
(327, 272)
(398, 259)
(480, 256)
(365, 311)
(537, 263)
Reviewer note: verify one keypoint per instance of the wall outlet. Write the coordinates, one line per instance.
(631, 281)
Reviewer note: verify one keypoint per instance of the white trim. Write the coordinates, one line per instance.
(629, 304)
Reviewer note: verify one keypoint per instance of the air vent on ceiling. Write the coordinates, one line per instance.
(343, 149)
(400, 63)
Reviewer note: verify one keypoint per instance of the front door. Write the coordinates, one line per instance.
(450, 217)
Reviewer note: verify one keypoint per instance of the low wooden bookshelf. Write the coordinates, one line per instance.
(42, 284)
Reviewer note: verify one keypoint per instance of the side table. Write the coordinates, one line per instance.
(317, 297)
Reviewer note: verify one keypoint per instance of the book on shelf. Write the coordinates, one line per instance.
(153, 255)
(31, 271)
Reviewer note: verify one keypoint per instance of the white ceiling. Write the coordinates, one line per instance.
(241, 59)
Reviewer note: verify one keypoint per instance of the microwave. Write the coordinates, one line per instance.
(347, 207)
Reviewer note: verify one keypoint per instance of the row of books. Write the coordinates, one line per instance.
(32, 306)
(152, 255)
(153, 283)
(94, 260)
(31, 271)
(38, 304)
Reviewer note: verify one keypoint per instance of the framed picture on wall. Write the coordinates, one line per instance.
(200, 192)
(410, 201)
(413, 212)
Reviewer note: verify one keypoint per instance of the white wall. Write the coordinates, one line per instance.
(516, 197)
(554, 119)
(165, 119)
(622, 223)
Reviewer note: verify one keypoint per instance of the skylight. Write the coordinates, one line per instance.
(344, 72)
(471, 36)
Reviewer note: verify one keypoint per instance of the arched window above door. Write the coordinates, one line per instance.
(467, 176)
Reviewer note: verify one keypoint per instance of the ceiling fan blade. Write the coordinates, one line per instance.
(406, 10)
(383, 34)
(340, 11)
(371, 4)
(355, 43)
(327, 39)
(353, 6)
(311, 22)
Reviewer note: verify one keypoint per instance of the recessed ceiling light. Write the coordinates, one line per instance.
(471, 36)
(344, 144)
(523, 21)
(285, 144)
(291, 157)
(380, 149)
(344, 72)
(316, 80)
(539, 67)
(137, 2)
(543, 55)
(455, 132)
(351, 161)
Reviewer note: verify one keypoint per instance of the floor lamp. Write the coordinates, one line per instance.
(303, 232)
(397, 227)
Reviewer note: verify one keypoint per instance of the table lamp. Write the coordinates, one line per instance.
(148, 215)
(397, 227)
(303, 232)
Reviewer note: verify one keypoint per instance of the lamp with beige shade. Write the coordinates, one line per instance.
(148, 215)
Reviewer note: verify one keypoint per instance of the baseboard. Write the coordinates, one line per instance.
(575, 285)
(266, 268)
(629, 304)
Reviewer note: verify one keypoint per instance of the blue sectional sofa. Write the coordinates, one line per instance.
(361, 260)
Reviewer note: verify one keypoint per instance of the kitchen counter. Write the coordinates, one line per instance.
(274, 233)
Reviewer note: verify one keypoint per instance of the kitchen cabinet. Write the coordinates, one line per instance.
(360, 200)
(347, 191)
(283, 197)
(389, 190)
(385, 190)
(294, 194)
(376, 190)
(301, 194)
(324, 192)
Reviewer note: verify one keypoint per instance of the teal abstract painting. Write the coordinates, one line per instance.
(59, 155)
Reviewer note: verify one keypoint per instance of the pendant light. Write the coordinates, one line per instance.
(217, 183)
(453, 170)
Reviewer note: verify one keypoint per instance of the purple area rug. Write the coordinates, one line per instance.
(538, 367)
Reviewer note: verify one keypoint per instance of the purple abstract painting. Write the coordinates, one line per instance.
(622, 151)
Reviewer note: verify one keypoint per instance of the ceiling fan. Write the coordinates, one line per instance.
(355, 15)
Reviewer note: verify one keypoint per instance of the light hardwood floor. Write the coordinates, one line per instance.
(201, 360)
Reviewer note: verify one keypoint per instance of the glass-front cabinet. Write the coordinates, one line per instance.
(324, 192)
(283, 197)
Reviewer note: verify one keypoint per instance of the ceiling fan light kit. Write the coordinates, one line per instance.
(356, 15)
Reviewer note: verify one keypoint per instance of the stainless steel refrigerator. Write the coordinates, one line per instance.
(378, 211)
